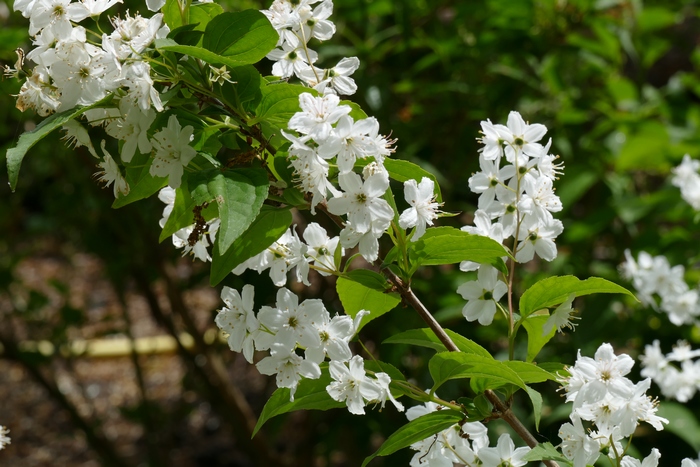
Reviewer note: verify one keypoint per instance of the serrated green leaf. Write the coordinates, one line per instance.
(554, 290)
(243, 36)
(311, 394)
(545, 451)
(239, 193)
(446, 366)
(267, 228)
(245, 86)
(28, 139)
(402, 171)
(417, 430)
(356, 296)
(447, 245)
(426, 338)
(535, 338)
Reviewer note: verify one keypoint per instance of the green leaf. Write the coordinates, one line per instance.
(535, 337)
(426, 338)
(268, 227)
(239, 194)
(402, 171)
(245, 87)
(369, 279)
(446, 366)
(181, 215)
(243, 36)
(27, 140)
(554, 290)
(311, 394)
(201, 14)
(543, 452)
(682, 422)
(417, 430)
(173, 16)
(169, 45)
(279, 102)
(447, 245)
(536, 399)
(529, 372)
(356, 296)
(377, 367)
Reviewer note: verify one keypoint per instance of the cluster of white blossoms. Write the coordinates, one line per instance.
(463, 444)
(4, 439)
(686, 177)
(652, 277)
(676, 373)
(297, 22)
(72, 70)
(292, 327)
(611, 404)
(516, 201)
(316, 250)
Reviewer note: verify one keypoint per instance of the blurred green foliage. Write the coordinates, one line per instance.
(615, 81)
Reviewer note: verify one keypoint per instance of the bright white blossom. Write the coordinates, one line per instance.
(423, 210)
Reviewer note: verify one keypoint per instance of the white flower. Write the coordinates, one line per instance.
(77, 135)
(317, 116)
(321, 248)
(490, 177)
(334, 335)
(362, 202)
(289, 368)
(293, 322)
(352, 385)
(560, 317)
(576, 445)
(237, 319)
(423, 210)
(111, 174)
(503, 454)
(350, 140)
(652, 460)
(291, 59)
(132, 128)
(538, 237)
(482, 295)
(173, 151)
(522, 140)
(368, 241)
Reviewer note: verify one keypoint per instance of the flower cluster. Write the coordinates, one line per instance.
(677, 383)
(297, 23)
(463, 443)
(72, 70)
(686, 177)
(610, 402)
(652, 276)
(516, 201)
(290, 326)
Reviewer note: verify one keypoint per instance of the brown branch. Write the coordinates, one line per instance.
(501, 409)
